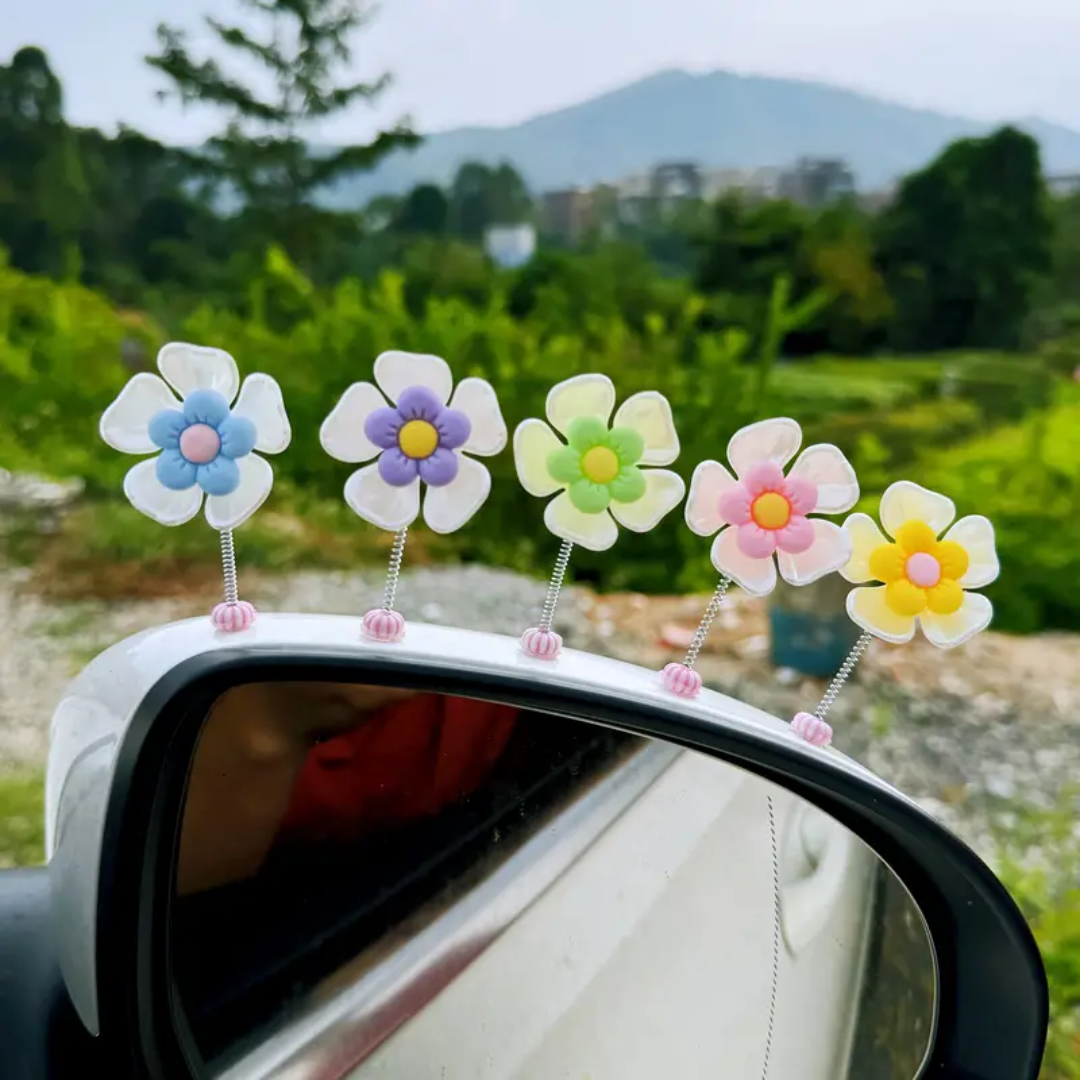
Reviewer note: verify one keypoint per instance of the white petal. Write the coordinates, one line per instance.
(663, 492)
(948, 631)
(649, 414)
(450, 506)
(755, 576)
(196, 367)
(261, 402)
(597, 532)
(863, 533)
(396, 371)
(534, 441)
(125, 423)
(375, 500)
(709, 482)
(583, 395)
(775, 440)
(830, 550)
(477, 400)
(150, 496)
(867, 609)
(342, 432)
(975, 535)
(826, 466)
(231, 511)
(905, 501)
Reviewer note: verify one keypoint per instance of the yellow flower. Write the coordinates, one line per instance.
(923, 578)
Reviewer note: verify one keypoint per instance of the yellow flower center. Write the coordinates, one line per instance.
(418, 439)
(600, 465)
(771, 510)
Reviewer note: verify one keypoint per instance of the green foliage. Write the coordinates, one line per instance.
(62, 351)
(1026, 479)
(964, 244)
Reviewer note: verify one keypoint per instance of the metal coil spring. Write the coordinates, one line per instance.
(776, 939)
(707, 620)
(842, 676)
(228, 567)
(393, 572)
(562, 561)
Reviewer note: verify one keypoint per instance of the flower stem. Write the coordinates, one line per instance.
(555, 585)
(228, 567)
(707, 620)
(842, 676)
(393, 572)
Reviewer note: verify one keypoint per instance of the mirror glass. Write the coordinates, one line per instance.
(376, 882)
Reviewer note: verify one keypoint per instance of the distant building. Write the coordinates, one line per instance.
(510, 246)
(1063, 185)
(873, 202)
(568, 214)
(817, 181)
(760, 183)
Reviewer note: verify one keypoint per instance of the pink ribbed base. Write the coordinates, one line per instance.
(681, 680)
(232, 618)
(541, 644)
(380, 625)
(814, 730)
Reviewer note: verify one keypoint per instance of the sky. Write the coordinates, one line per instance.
(458, 62)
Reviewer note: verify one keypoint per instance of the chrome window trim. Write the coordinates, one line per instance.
(333, 1037)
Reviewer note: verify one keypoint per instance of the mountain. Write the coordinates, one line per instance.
(718, 119)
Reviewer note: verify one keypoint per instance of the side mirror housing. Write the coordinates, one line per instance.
(124, 738)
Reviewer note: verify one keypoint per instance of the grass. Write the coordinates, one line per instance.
(105, 549)
(22, 819)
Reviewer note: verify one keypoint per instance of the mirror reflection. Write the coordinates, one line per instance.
(375, 882)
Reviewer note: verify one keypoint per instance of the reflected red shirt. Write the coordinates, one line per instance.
(406, 761)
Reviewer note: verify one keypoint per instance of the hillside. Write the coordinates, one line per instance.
(718, 119)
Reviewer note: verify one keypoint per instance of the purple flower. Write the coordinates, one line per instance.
(418, 438)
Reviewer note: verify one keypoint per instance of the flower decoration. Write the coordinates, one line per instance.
(602, 472)
(762, 516)
(205, 441)
(923, 579)
(420, 436)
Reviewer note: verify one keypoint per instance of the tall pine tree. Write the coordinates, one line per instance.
(263, 155)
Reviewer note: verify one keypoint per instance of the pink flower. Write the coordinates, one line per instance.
(762, 515)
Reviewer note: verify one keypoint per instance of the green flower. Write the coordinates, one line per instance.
(599, 466)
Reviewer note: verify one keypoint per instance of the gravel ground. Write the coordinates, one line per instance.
(976, 734)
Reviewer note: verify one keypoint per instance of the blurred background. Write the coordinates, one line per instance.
(869, 221)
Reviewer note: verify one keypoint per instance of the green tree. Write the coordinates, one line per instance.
(263, 155)
(424, 211)
(43, 194)
(481, 196)
(964, 245)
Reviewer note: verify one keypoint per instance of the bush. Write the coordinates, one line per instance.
(64, 354)
(1004, 387)
(1026, 479)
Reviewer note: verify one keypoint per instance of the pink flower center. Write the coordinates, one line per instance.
(922, 569)
(200, 444)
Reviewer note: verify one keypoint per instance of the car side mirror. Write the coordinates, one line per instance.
(443, 857)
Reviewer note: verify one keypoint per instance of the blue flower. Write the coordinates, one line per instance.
(208, 441)
(201, 444)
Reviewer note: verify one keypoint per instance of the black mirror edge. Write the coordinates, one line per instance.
(993, 1001)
